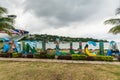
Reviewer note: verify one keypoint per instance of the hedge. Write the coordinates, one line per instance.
(78, 57)
(37, 55)
(16, 55)
(64, 57)
(118, 58)
(4, 55)
(29, 55)
(90, 58)
(49, 56)
(104, 58)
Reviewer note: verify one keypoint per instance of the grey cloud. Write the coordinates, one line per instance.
(43, 16)
(63, 12)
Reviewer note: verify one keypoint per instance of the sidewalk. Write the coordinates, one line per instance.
(56, 61)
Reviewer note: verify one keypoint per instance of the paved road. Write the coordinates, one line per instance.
(57, 61)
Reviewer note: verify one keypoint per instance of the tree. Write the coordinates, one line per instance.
(6, 21)
(116, 22)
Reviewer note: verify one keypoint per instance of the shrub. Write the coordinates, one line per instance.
(118, 58)
(78, 57)
(104, 58)
(45, 55)
(37, 55)
(16, 55)
(98, 58)
(51, 51)
(38, 50)
(1, 54)
(50, 56)
(67, 57)
(4, 55)
(90, 58)
(44, 52)
(29, 55)
(24, 55)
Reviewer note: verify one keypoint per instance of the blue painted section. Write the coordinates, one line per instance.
(17, 46)
(6, 39)
(57, 47)
(6, 48)
(21, 31)
(92, 42)
(112, 42)
(57, 50)
(113, 49)
(109, 52)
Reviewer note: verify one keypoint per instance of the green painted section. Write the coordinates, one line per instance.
(71, 48)
(101, 48)
(80, 47)
(43, 46)
(26, 48)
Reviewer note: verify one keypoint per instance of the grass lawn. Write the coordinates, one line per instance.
(57, 71)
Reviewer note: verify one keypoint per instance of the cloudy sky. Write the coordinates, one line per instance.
(74, 18)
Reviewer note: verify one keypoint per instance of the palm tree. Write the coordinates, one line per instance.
(116, 22)
(6, 22)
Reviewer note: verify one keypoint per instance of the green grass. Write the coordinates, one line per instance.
(57, 71)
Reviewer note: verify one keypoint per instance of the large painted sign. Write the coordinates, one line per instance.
(20, 47)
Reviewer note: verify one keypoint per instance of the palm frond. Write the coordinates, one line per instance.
(5, 24)
(115, 29)
(118, 11)
(7, 19)
(112, 21)
(12, 16)
(3, 10)
(7, 31)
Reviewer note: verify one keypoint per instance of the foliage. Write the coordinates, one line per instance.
(45, 55)
(4, 55)
(6, 22)
(112, 21)
(37, 55)
(78, 57)
(116, 22)
(38, 50)
(50, 56)
(16, 55)
(115, 29)
(49, 51)
(52, 38)
(3, 10)
(104, 58)
(65, 57)
(90, 58)
(118, 58)
(29, 55)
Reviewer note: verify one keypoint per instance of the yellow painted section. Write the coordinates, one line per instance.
(89, 53)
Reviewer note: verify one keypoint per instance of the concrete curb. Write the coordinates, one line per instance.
(56, 61)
